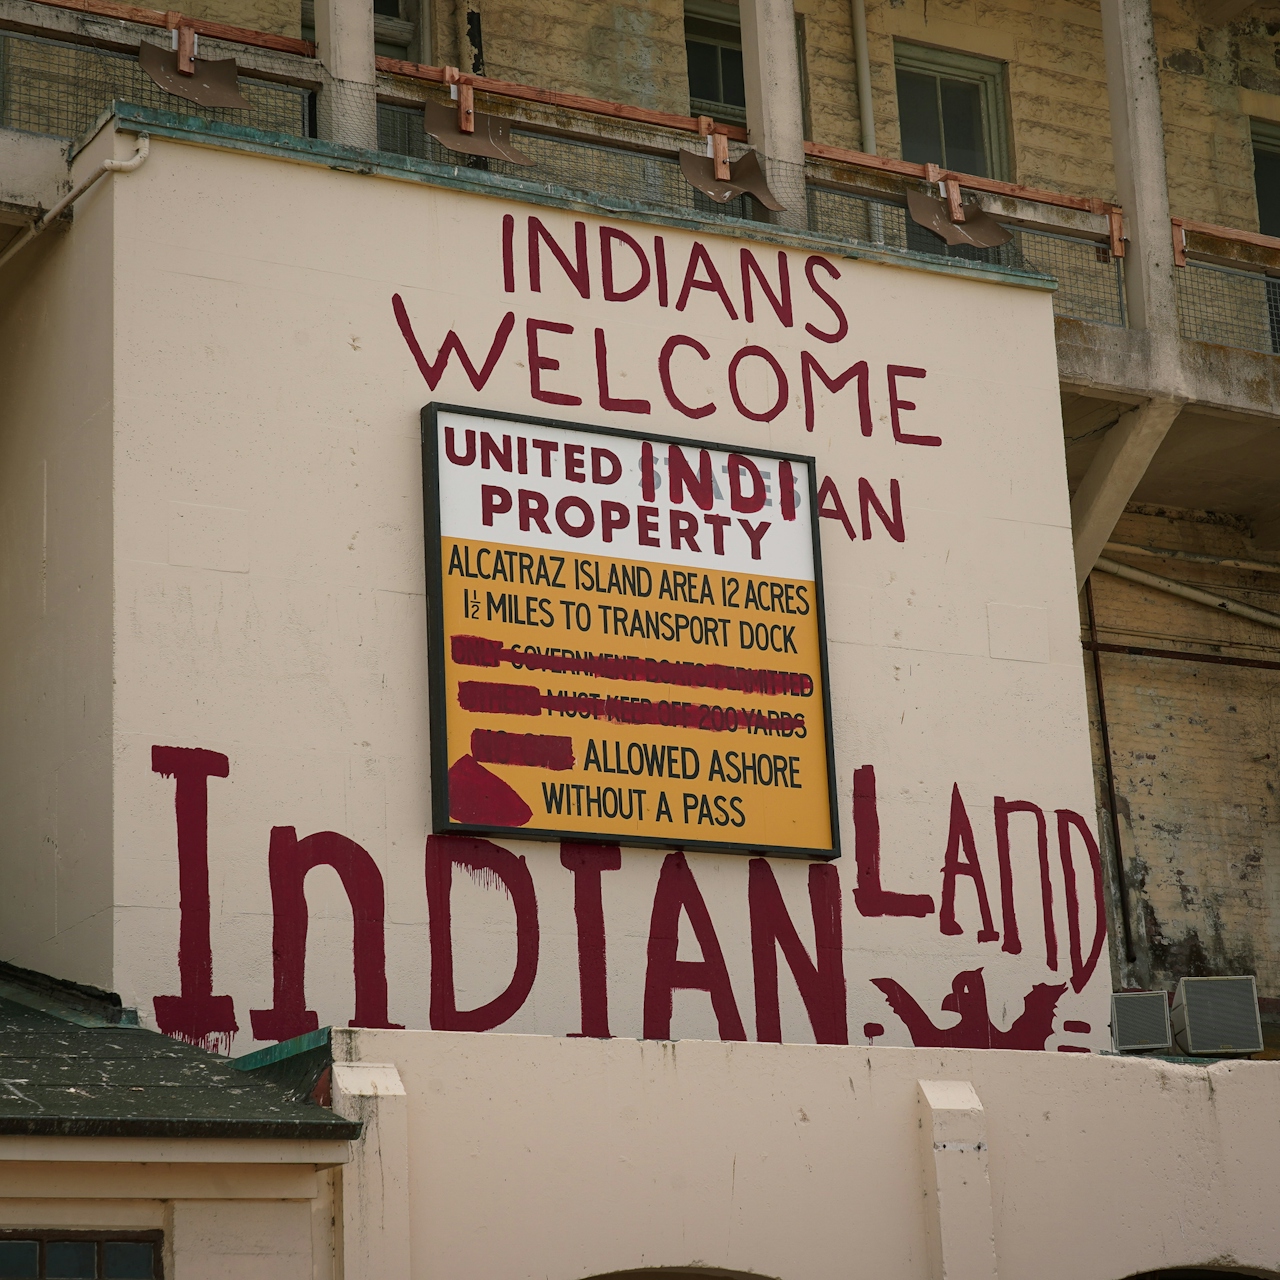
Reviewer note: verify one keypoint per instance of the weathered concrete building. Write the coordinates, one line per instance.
(872, 408)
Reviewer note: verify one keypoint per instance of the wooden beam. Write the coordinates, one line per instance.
(553, 98)
(159, 18)
(955, 209)
(1115, 231)
(882, 164)
(1229, 233)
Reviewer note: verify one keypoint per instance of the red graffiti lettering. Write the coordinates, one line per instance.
(487, 863)
(289, 860)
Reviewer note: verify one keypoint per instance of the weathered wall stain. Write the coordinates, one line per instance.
(1195, 757)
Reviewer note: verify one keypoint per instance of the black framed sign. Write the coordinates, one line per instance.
(627, 638)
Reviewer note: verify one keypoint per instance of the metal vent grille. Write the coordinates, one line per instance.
(1217, 1016)
(1140, 1020)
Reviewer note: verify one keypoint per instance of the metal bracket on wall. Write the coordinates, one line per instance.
(717, 146)
(466, 130)
(180, 70)
(715, 176)
(974, 227)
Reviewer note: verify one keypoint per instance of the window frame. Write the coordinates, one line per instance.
(726, 15)
(730, 15)
(47, 1236)
(1264, 135)
(990, 75)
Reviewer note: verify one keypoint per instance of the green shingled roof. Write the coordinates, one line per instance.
(64, 1077)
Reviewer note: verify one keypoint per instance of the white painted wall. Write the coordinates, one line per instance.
(268, 586)
(56, 574)
(560, 1159)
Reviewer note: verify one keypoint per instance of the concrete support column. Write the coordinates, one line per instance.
(775, 106)
(957, 1191)
(1120, 463)
(1137, 142)
(347, 108)
(375, 1184)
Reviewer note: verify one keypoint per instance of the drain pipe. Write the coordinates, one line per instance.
(1194, 557)
(866, 109)
(45, 221)
(866, 106)
(1221, 603)
(1108, 764)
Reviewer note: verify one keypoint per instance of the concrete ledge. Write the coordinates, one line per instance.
(33, 173)
(179, 1150)
(1134, 364)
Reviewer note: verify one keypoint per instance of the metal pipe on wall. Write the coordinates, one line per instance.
(1221, 603)
(45, 221)
(1194, 557)
(866, 105)
(1104, 735)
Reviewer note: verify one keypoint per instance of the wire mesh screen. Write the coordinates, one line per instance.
(580, 166)
(854, 217)
(1229, 308)
(50, 87)
(1090, 280)
(1090, 283)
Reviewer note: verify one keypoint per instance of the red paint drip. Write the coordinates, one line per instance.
(476, 651)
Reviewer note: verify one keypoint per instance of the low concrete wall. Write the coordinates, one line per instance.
(556, 1158)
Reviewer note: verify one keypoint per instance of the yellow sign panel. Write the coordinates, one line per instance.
(627, 639)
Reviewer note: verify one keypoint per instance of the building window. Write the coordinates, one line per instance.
(951, 110)
(1266, 175)
(713, 47)
(79, 1255)
(395, 34)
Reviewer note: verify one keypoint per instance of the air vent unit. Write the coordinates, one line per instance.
(1217, 1017)
(1140, 1021)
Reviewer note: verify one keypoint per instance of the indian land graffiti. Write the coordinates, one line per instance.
(817, 969)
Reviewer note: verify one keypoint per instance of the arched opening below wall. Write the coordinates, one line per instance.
(680, 1273)
(1203, 1273)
